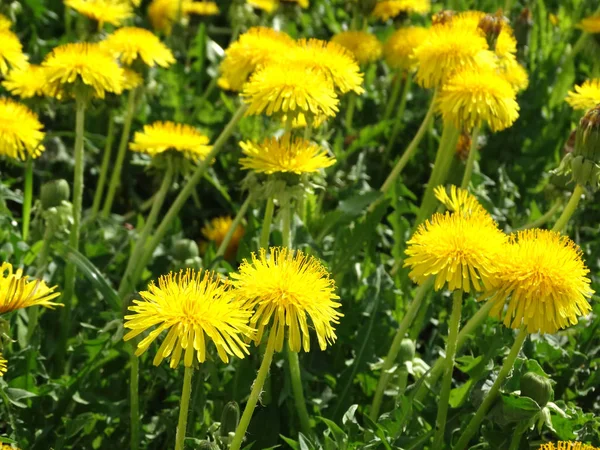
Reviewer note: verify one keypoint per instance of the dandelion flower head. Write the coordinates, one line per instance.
(399, 48)
(505, 45)
(17, 291)
(131, 43)
(543, 282)
(473, 97)
(388, 9)
(27, 82)
(5, 23)
(567, 445)
(201, 8)
(513, 72)
(162, 14)
(364, 46)
(279, 89)
(193, 307)
(336, 63)
(284, 155)
(289, 289)
(131, 79)
(11, 52)
(21, 132)
(257, 47)
(114, 12)
(217, 229)
(83, 63)
(460, 201)
(590, 24)
(266, 5)
(586, 96)
(3, 365)
(159, 137)
(458, 249)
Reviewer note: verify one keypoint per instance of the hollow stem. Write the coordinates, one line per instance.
(567, 213)
(184, 406)
(110, 134)
(475, 422)
(259, 382)
(471, 159)
(115, 178)
(266, 225)
(134, 400)
(451, 345)
(392, 355)
(399, 120)
(297, 390)
(234, 224)
(27, 197)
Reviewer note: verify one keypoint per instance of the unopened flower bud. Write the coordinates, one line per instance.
(407, 350)
(443, 17)
(537, 388)
(229, 419)
(184, 249)
(491, 25)
(54, 192)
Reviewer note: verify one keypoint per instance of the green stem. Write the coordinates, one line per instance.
(507, 7)
(350, 107)
(517, 435)
(105, 163)
(296, 379)
(236, 222)
(115, 178)
(412, 147)
(453, 328)
(400, 120)
(257, 386)
(475, 422)
(184, 406)
(471, 159)
(27, 197)
(439, 173)
(567, 213)
(9, 414)
(134, 400)
(390, 359)
(266, 225)
(542, 219)
(127, 282)
(188, 188)
(396, 85)
(465, 333)
(286, 224)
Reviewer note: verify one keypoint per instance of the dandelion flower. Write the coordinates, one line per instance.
(364, 46)
(83, 63)
(114, 12)
(162, 14)
(162, 136)
(473, 97)
(543, 281)
(131, 79)
(3, 365)
(17, 291)
(257, 47)
(460, 250)
(460, 201)
(388, 9)
(514, 73)
(27, 82)
(130, 44)
(193, 307)
(399, 48)
(217, 229)
(21, 132)
(585, 96)
(290, 290)
(266, 5)
(11, 52)
(200, 8)
(5, 23)
(284, 155)
(590, 24)
(289, 90)
(567, 445)
(333, 61)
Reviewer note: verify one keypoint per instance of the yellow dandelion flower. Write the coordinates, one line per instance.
(83, 63)
(590, 24)
(506, 43)
(21, 132)
(514, 73)
(27, 82)
(5, 23)
(399, 48)
(586, 96)
(460, 201)
(162, 14)
(567, 445)
(200, 8)
(162, 136)
(364, 46)
(266, 5)
(257, 47)
(17, 291)
(3, 365)
(114, 12)
(131, 79)
(388, 9)
(130, 44)
(447, 49)
(193, 307)
(289, 290)
(284, 155)
(473, 97)
(217, 229)
(289, 90)
(460, 250)
(542, 281)
(11, 52)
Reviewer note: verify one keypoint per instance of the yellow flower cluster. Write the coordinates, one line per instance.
(536, 279)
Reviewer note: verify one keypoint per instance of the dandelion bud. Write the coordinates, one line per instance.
(443, 17)
(587, 141)
(229, 419)
(54, 192)
(407, 350)
(537, 388)
(492, 25)
(184, 249)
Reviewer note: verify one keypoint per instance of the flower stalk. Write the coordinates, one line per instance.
(399, 120)
(266, 225)
(234, 225)
(570, 208)
(27, 197)
(471, 159)
(184, 407)
(110, 134)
